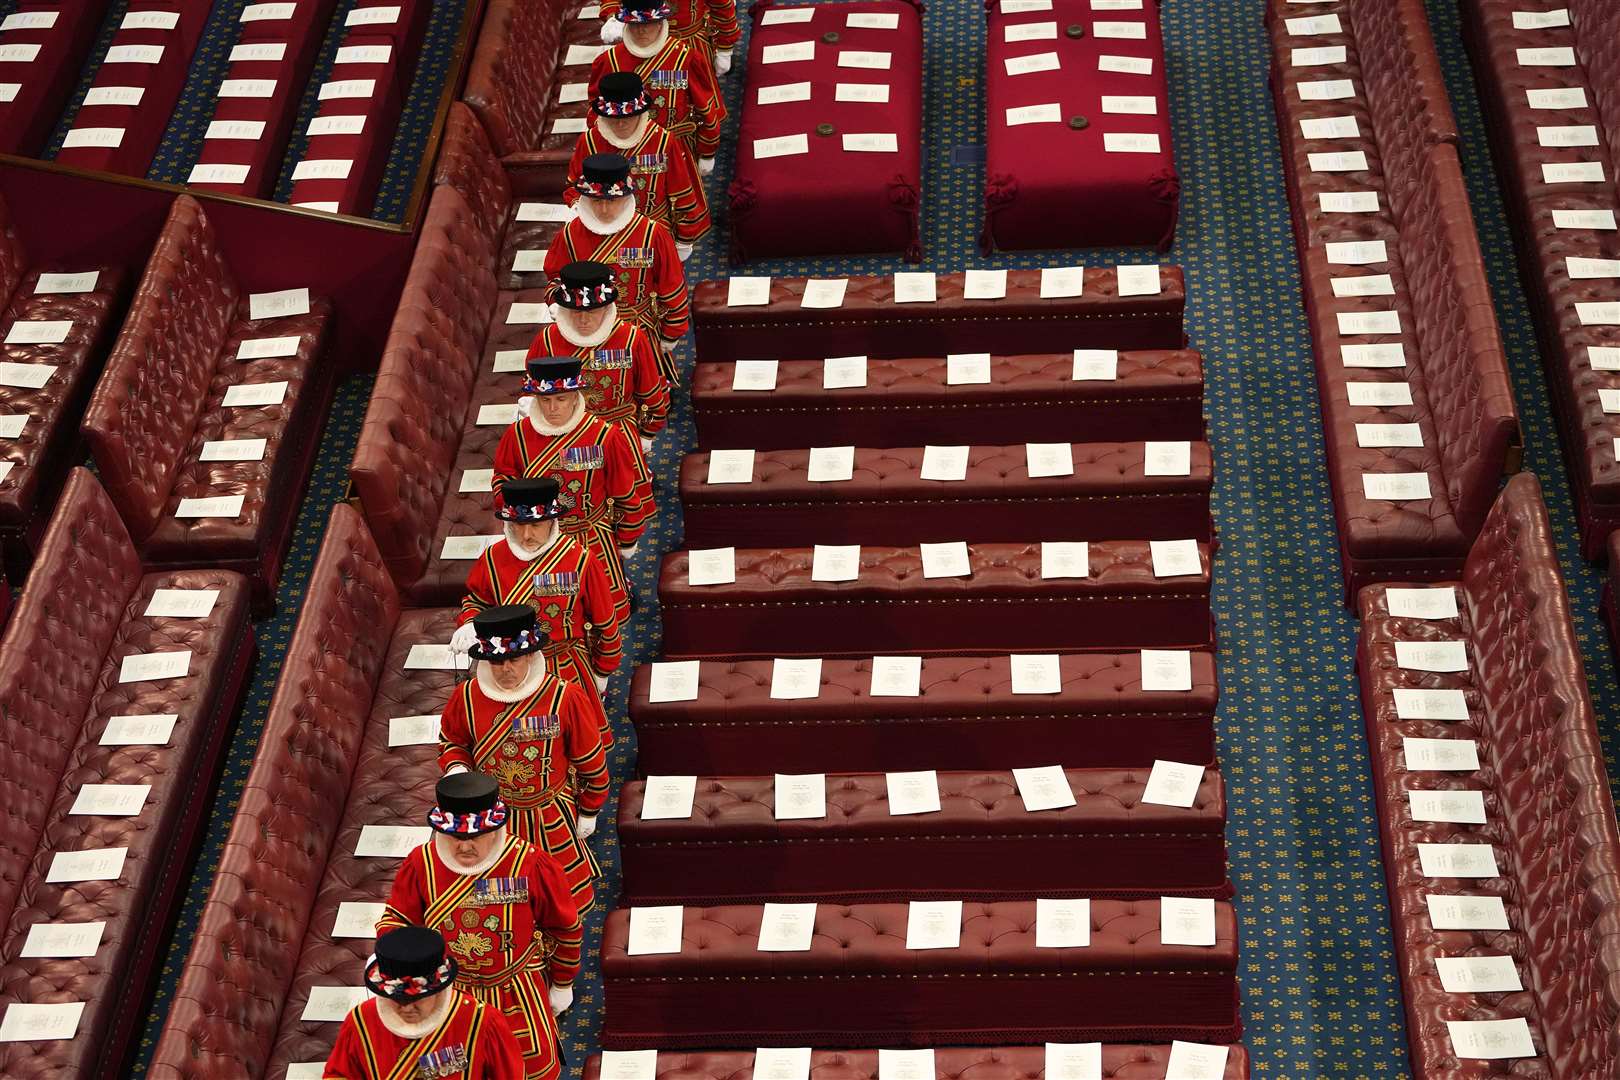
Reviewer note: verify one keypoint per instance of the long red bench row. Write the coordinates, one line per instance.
(1549, 82)
(1119, 1062)
(45, 43)
(1417, 409)
(117, 682)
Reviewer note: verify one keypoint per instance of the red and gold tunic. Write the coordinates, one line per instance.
(498, 924)
(652, 283)
(624, 380)
(572, 601)
(668, 187)
(528, 746)
(472, 1042)
(597, 469)
(711, 24)
(681, 83)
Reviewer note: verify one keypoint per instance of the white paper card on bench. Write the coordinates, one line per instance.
(945, 463)
(115, 95)
(217, 174)
(365, 54)
(1049, 113)
(1491, 1040)
(1185, 920)
(1330, 127)
(32, 20)
(1414, 704)
(1339, 162)
(875, 93)
(477, 480)
(1386, 354)
(1130, 105)
(27, 376)
(912, 792)
(277, 305)
(1026, 65)
(322, 169)
(984, 284)
(876, 142)
(1562, 56)
(830, 464)
(1116, 5)
(1587, 269)
(1369, 322)
(800, 796)
(432, 656)
(1312, 25)
(914, 287)
(110, 800)
(1372, 395)
(1458, 807)
(1173, 783)
(1349, 202)
(9, 90)
(59, 284)
(1438, 603)
(1605, 314)
(674, 680)
(1439, 656)
(573, 92)
(1440, 755)
(1540, 20)
(265, 348)
(1609, 399)
(1036, 674)
(467, 547)
(786, 927)
(1576, 172)
(711, 566)
(1167, 459)
(788, 53)
(781, 16)
(1373, 436)
(39, 332)
(268, 12)
(64, 939)
(783, 93)
(11, 426)
(1478, 974)
(1062, 924)
(1395, 487)
(329, 1004)
(896, 676)
(1048, 459)
(1457, 861)
(262, 51)
(1035, 31)
(946, 560)
(1095, 365)
(539, 211)
(1165, 670)
(1466, 912)
(934, 924)
(874, 21)
(753, 375)
(1024, 7)
(1559, 98)
(390, 841)
(306, 1070)
(1327, 90)
(1364, 285)
(132, 54)
(795, 679)
(835, 562)
(182, 603)
(1318, 56)
(1126, 65)
(1062, 281)
(1567, 135)
(498, 414)
(233, 450)
(1065, 559)
(1045, 787)
(730, 467)
(247, 88)
(94, 864)
(416, 730)
(1603, 357)
(1130, 142)
(509, 361)
(19, 54)
(824, 292)
(582, 55)
(150, 667)
(1594, 220)
(1074, 1061)
(843, 372)
(347, 88)
(42, 1023)
(244, 395)
(906, 1065)
(877, 61)
(668, 798)
(1119, 31)
(748, 291)
(967, 369)
(357, 919)
(1196, 1061)
(1175, 558)
(1357, 252)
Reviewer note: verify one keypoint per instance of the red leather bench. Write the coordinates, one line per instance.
(1561, 200)
(47, 382)
(831, 171)
(870, 323)
(1107, 496)
(858, 985)
(58, 37)
(1076, 154)
(982, 844)
(1119, 1062)
(167, 400)
(324, 771)
(82, 619)
(910, 402)
(1535, 806)
(773, 608)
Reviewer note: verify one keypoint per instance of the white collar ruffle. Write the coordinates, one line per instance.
(538, 422)
(564, 318)
(604, 226)
(651, 50)
(441, 843)
(529, 554)
(388, 1013)
(642, 123)
(486, 684)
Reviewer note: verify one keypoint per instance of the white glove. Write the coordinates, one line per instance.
(722, 61)
(669, 344)
(705, 166)
(683, 250)
(585, 826)
(628, 553)
(646, 445)
(560, 998)
(462, 639)
(601, 682)
(612, 30)
(456, 767)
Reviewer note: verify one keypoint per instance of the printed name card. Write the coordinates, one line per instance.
(150, 729)
(788, 53)
(1173, 783)
(1598, 220)
(129, 54)
(1357, 252)
(262, 51)
(783, 93)
(984, 284)
(39, 332)
(1339, 162)
(824, 292)
(582, 55)
(217, 174)
(367, 54)
(1062, 924)
(1459, 807)
(11, 426)
(843, 372)
(1467, 912)
(1021, 7)
(753, 375)
(539, 211)
(786, 927)
(800, 796)
(1065, 559)
(1126, 65)
(906, 1065)
(711, 566)
(1430, 704)
(1130, 142)
(1036, 674)
(418, 730)
(1478, 974)
(246, 88)
(1457, 861)
(1609, 400)
(28, 376)
(779, 16)
(306, 1070)
(1604, 314)
(233, 450)
(835, 562)
(1167, 459)
(1375, 395)
(357, 919)
(572, 92)
(1558, 97)
(347, 88)
(1166, 670)
(390, 841)
(793, 679)
(1196, 1061)
(1315, 24)
(1573, 172)
(40, 1023)
(432, 656)
(1566, 135)
(509, 361)
(896, 676)
(1045, 787)
(477, 480)
(496, 415)
(1491, 1039)
(830, 464)
(1369, 322)
(1074, 1061)
(1540, 20)
(110, 800)
(1385, 435)
(781, 1063)
(1095, 365)
(1327, 90)
(912, 792)
(1186, 921)
(674, 680)
(1583, 269)
(967, 369)
(1318, 56)
(668, 798)
(1175, 558)
(63, 939)
(947, 560)
(945, 463)
(1441, 656)
(1364, 285)
(1438, 603)
(1048, 459)
(1036, 31)
(268, 12)
(32, 20)
(266, 348)
(117, 95)
(1603, 357)
(877, 61)
(330, 1004)
(1440, 755)
(322, 169)
(95, 864)
(1130, 106)
(934, 924)
(1395, 487)
(730, 467)
(1058, 282)
(1119, 31)
(466, 547)
(56, 284)
(914, 287)
(1026, 65)
(277, 305)
(149, 667)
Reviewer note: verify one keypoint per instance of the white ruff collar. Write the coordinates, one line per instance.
(441, 843)
(529, 554)
(387, 1012)
(565, 326)
(537, 672)
(538, 422)
(593, 221)
(625, 144)
(652, 50)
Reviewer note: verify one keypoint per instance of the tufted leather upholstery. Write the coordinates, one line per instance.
(82, 615)
(1550, 819)
(965, 714)
(858, 985)
(908, 402)
(981, 844)
(509, 80)
(774, 609)
(468, 163)
(1597, 28)
(870, 323)
(1119, 1062)
(887, 502)
(265, 932)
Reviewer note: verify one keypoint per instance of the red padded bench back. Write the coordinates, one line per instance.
(513, 67)
(224, 1015)
(468, 163)
(141, 417)
(1597, 44)
(1119, 1062)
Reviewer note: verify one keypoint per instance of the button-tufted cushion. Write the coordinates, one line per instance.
(981, 843)
(907, 402)
(1119, 1062)
(858, 985)
(509, 80)
(774, 608)
(871, 323)
(886, 501)
(468, 163)
(965, 714)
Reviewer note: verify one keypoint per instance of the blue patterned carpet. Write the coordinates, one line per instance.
(1320, 993)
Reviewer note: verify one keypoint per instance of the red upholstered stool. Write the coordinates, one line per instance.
(858, 984)
(1119, 1062)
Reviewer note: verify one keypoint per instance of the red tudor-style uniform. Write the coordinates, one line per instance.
(668, 187)
(680, 81)
(496, 924)
(597, 469)
(572, 601)
(646, 266)
(706, 24)
(622, 379)
(472, 1042)
(528, 745)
